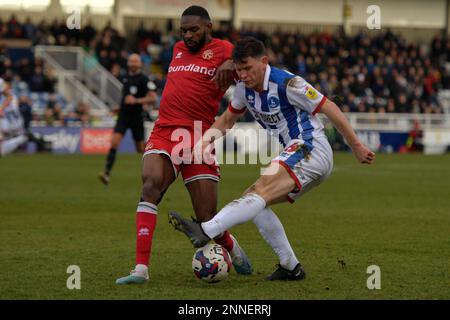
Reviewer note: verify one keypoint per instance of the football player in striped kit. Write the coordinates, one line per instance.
(12, 133)
(285, 105)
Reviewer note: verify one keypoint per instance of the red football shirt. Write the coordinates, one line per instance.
(189, 94)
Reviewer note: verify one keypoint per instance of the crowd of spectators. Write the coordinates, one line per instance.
(380, 73)
(30, 71)
(54, 113)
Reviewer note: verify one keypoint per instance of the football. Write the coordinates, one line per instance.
(211, 263)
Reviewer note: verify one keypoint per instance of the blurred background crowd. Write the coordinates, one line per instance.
(376, 74)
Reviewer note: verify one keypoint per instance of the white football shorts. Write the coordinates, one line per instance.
(307, 168)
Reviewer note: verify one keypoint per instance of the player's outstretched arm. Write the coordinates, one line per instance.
(340, 122)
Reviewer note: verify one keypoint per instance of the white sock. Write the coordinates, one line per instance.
(272, 231)
(10, 145)
(236, 212)
(141, 270)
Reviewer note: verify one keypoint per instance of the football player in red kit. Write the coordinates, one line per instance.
(190, 95)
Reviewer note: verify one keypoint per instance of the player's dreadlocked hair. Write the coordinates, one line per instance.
(196, 11)
(248, 47)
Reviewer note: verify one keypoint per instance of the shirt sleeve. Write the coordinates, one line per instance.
(304, 96)
(237, 104)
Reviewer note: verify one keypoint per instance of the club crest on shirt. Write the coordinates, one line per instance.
(208, 54)
(273, 102)
(133, 90)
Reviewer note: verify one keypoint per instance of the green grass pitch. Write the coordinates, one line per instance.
(395, 214)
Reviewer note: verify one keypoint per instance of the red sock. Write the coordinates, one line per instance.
(225, 241)
(146, 216)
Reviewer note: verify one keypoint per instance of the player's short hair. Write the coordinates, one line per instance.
(248, 47)
(196, 11)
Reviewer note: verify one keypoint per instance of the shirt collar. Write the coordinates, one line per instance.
(266, 78)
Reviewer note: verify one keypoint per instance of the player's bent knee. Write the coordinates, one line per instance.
(272, 189)
(152, 191)
(260, 190)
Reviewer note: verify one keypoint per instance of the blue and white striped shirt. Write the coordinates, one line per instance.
(12, 122)
(286, 107)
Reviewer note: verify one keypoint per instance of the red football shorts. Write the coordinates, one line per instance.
(177, 143)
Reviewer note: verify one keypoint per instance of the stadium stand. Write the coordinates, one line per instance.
(375, 74)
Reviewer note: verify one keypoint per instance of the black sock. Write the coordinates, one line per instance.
(110, 160)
